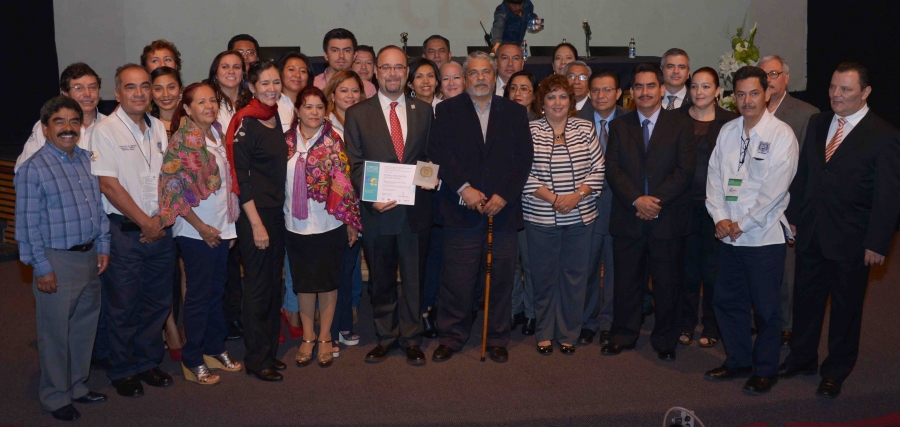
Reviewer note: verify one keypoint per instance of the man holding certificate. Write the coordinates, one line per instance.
(483, 144)
(382, 133)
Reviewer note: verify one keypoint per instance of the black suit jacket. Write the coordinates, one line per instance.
(852, 202)
(498, 164)
(368, 137)
(669, 165)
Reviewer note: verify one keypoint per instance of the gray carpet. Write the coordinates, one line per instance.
(633, 389)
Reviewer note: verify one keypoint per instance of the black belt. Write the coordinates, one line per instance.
(82, 248)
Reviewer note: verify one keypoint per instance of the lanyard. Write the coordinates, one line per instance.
(745, 144)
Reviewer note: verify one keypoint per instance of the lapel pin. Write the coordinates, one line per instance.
(413, 106)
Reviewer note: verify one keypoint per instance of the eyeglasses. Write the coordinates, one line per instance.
(774, 74)
(605, 90)
(388, 68)
(82, 88)
(247, 51)
(582, 77)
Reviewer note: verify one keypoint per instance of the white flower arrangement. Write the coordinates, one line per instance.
(743, 52)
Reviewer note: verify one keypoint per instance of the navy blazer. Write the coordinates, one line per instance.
(498, 164)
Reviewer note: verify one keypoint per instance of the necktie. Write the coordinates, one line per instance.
(604, 136)
(835, 140)
(671, 105)
(645, 125)
(396, 132)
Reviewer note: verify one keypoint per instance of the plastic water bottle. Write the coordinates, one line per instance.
(631, 48)
(525, 53)
(564, 41)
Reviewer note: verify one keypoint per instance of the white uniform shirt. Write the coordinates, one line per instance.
(319, 220)
(285, 112)
(770, 163)
(679, 98)
(214, 209)
(400, 109)
(133, 157)
(37, 139)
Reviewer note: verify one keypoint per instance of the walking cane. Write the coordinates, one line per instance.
(487, 287)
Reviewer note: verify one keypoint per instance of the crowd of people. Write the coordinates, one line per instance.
(600, 216)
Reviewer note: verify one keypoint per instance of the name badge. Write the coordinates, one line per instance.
(732, 189)
(149, 193)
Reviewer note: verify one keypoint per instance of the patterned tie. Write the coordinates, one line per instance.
(835, 140)
(396, 132)
(645, 125)
(671, 105)
(604, 136)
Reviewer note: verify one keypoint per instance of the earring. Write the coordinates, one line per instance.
(412, 93)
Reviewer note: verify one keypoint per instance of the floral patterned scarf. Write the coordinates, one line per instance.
(190, 174)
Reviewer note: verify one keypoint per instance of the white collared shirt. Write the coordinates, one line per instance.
(37, 140)
(213, 210)
(285, 112)
(225, 116)
(770, 163)
(580, 104)
(319, 220)
(679, 98)
(852, 121)
(401, 112)
(127, 154)
(500, 87)
(337, 126)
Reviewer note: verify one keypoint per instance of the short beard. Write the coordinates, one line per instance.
(474, 91)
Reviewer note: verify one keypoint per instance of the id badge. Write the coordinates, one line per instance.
(149, 193)
(732, 189)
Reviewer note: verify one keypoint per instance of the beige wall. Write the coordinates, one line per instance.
(108, 33)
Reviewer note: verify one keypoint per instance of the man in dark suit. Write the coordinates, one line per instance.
(796, 114)
(650, 162)
(676, 66)
(604, 92)
(393, 128)
(844, 209)
(483, 146)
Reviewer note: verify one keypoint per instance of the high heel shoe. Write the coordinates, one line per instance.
(296, 332)
(199, 375)
(304, 358)
(327, 358)
(175, 354)
(222, 361)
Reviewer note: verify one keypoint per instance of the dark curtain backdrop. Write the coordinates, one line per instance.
(32, 67)
(864, 31)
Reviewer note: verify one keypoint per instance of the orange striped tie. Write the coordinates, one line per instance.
(835, 140)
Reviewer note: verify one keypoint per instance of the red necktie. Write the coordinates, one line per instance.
(396, 132)
(835, 140)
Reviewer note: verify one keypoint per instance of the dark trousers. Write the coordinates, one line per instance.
(343, 311)
(231, 302)
(397, 312)
(433, 267)
(598, 297)
(750, 277)
(464, 251)
(665, 260)
(817, 279)
(560, 279)
(699, 273)
(206, 271)
(262, 288)
(138, 299)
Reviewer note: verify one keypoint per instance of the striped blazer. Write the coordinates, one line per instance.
(562, 168)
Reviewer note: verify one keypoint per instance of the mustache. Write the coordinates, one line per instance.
(66, 133)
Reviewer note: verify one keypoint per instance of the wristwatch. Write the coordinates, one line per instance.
(582, 194)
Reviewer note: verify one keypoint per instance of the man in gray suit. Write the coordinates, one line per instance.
(391, 127)
(796, 114)
(604, 92)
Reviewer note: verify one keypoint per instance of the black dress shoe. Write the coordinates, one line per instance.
(430, 329)
(415, 356)
(235, 331)
(604, 337)
(666, 355)
(91, 397)
(380, 352)
(785, 337)
(615, 349)
(279, 365)
(568, 350)
(268, 374)
(517, 319)
(545, 350)
(725, 373)
(829, 388)
(66, 413)
(128, 387)
(529, 326)
(498, 354)
(155, 377)
(647, 313)
(759, 385)
(786, 371)
(442, 353)
(102, 364)
(586, 336)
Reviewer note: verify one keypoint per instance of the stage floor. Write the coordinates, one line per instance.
(633, 389)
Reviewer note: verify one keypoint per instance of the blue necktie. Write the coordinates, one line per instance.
(645, 125)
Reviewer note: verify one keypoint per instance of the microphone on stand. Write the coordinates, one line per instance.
(403, 37)
(587, 38)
